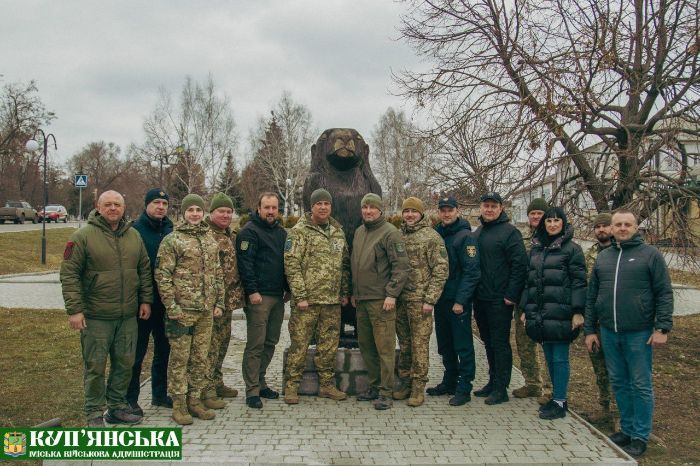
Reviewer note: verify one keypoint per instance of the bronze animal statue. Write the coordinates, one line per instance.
(340, 164)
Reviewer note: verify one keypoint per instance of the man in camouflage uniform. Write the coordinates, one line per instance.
(534, 372)
(219, 221)
(414, 313)
(379, 272)
(191, 285)
(317, 264)
(602, 230)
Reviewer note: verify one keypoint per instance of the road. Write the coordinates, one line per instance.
(29, 226)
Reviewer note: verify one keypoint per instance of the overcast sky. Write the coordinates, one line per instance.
(99, 64)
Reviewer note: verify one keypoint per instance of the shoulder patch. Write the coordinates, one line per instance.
(68, 252)
(400, 248)
(471, 251)
(443, 252)
(288, 245)
(244, 245)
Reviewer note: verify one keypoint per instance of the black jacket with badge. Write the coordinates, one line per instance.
(629, 289)
(556, 287)
(260, 253)
(463, 255)
(503, 260)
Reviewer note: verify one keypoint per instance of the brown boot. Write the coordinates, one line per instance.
(226, 392)
(330, 391)
(527, 391)
(180, 414)
(417, 395)
(291, 397)
(404, 392)
(604, 416)
(211, 401)
(197, 409)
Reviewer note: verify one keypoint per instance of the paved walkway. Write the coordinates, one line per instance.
(321, 431)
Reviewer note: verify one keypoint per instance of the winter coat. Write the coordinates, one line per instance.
(630, 289)
(556, 288)
(463, 256)
(152, 233)
(105, 274)
(260, 253)
(427, 257)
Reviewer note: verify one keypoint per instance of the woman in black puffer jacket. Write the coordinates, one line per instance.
(554, 300)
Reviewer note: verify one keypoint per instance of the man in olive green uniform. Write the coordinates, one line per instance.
(414, 314)
(317, 264)
(602, 230)
(379, 272)
(106, 282)
(219, 220)
(536, 380)
(191, 285)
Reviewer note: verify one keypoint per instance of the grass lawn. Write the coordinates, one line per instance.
(21, 251)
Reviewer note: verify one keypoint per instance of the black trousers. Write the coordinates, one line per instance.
(455, 345)
(155, 325)
(493, 318)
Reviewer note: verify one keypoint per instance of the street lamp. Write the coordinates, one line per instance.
(32, 146)
(165, 161)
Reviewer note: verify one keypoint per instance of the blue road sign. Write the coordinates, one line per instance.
(80, 181)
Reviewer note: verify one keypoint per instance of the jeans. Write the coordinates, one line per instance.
(628, 360)
(455, 345)
(493, 319)
(556, 354)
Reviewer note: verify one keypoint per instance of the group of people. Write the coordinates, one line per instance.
(400, 282)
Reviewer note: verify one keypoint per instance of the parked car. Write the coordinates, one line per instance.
(55, 213)
(18, 212)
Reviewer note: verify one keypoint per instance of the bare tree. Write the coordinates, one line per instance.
(621, 76)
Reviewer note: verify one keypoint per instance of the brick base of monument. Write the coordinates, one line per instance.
(350, 372)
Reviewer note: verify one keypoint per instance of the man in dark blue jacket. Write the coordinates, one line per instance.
(453, 311)
(260, 252)
(630, 295)
(503, 264)
(152, 225)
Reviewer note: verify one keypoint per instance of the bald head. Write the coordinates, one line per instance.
(111, 207)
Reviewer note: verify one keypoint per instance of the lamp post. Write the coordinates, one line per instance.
(32, 145)
(165, 161)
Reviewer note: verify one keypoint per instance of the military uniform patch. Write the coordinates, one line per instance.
(244, 245)
(287, 245)
(400, 249)
(471, 251)
(443, 251)
(68, 252)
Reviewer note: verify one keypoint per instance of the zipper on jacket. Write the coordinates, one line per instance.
(121, 271)
(617, 270)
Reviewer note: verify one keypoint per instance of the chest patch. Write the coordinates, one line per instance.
(471, 251)
(244, 245)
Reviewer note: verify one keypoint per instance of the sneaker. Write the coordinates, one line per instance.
(254, 402)
(545, 406)
(527, 391)
(382, 403)
(122, 416)
(166, 402)
(269, 393)
(370, 395)
(97, 421)
(496, 397)
(636, 447)
(554, 411)
(620, 439)
(134, 408)
(484, 391)
(441, 389)
(460, 399)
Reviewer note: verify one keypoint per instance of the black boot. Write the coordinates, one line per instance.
(443, 388)
(484, 391)
(496, 397)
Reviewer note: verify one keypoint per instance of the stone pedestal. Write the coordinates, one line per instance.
(350, 372)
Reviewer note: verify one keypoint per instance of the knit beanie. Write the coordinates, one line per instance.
(537, 204)
(320, 195)
(413, 203)
(153, 194)
(373, 200)
(602, 219)
(220, 200)
(190, 200)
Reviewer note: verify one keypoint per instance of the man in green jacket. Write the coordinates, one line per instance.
(106, 282)
(379, 271)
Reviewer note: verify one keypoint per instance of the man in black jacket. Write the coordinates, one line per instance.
(153, 224)
(453, 311)
(260, 252)
(630, 295)
(503, 270)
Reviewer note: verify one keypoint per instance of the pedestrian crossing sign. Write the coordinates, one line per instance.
(80, 181)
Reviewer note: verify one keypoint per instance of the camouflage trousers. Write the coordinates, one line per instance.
(321, 321)
(413, 328)
(531, 358)
(188, 365)
(220, 339)
(601, 376)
